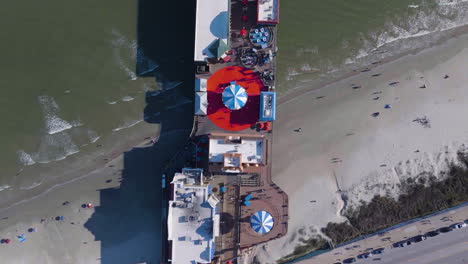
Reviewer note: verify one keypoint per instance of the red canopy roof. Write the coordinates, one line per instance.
(224, 117)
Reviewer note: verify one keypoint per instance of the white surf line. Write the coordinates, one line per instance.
(84, 176)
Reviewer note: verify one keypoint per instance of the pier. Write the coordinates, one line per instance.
(231, 142)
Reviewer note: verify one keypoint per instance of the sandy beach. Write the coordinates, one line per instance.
(364, 135)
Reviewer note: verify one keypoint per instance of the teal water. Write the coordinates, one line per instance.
(69, 77)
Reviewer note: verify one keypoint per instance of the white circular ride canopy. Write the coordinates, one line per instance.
(261, 222)
(234, 96)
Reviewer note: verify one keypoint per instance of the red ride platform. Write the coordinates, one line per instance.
(218, 113)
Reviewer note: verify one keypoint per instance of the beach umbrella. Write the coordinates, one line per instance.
(243, 32)
(234, 96)
(218, 48)
(248, 197)
(246, 203)
(261, 222)
(223, 189)
(21, 238)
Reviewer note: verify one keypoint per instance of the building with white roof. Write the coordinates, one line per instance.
(268, 12)
(211, 27)
(201, 103)
(234, 150)
(192, 221)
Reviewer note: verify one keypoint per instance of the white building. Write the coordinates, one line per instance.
(211, 24)
(232, 151)
(201, 103)
(192, 221)
(268, 12)
(200, 85)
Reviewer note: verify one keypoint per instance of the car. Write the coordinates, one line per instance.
(445, 229)
(458, 225)
(349, 260)
(432, 233)
(364, 255)
(403, 243)
(378, 251)
(418, 238)
(466, 221)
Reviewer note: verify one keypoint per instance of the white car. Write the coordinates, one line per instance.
(458, 225)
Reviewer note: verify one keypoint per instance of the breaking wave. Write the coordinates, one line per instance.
(127, 125)
(93, 136)
(127, 98)
(32, 186)
(53, 123)
(4, 187)
(423, 23)
(54, 148)
(25, 158)
(117, 44)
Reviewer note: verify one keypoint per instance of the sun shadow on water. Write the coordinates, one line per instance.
(129, 222)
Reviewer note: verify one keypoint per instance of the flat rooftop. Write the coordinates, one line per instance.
(249, 150)
(212, 23)
(268, 11)
(192, 222)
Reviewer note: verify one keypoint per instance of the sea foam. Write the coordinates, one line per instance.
(55, 147)
(117, 44)
(25, 158)
(127, 98)
(53, 123)
(127, 125)
(423, 23)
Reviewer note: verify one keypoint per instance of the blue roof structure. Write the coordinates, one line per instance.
(234, 96)
(260, 35)
(267, 106)
(261, 222)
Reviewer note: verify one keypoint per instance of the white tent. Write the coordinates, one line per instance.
(200, 85)
(201, 103)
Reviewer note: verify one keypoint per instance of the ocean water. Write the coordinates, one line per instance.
(68, 82)
(322, 40)
(69, 78)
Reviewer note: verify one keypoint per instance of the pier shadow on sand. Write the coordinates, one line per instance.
(129, 222)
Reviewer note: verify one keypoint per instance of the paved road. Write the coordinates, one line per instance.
(448, 248)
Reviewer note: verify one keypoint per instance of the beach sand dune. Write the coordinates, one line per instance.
(353, 145)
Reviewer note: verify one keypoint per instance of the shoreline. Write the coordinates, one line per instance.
(291, 94)
(95, 160)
